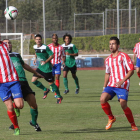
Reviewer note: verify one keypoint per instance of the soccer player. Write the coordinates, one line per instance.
(71, 51)
(136, 52)
(59, 55)
(9, 86)
(28, 94)
(44, 55)
(119, 68)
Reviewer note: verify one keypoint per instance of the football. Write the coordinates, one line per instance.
(11, 13)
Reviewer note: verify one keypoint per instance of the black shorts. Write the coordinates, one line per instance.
(47, 76)
(72, 69)
(25, 89)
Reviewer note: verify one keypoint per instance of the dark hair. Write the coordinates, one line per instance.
(38, 35)
(5, 39)
(70, 37)
(55, 35)
(115, 38)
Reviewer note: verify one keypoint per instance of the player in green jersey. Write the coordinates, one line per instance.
(44, 55)
(70, 64)
(27, 92)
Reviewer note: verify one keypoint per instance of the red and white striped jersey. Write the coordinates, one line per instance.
(118, 68)
(8, 72)
(136, 49)
(58, 53)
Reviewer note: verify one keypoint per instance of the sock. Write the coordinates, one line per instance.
(13, 118)
(65, 81)
(57, 83)
(34, 114)
(129, 116)
(107, 109)
(14, 105)
(55, 88)
(39, 85)
(138, 73)
(76, 82)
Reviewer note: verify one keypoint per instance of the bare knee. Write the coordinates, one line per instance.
(123, 104)
(19, 103)
(104, 97)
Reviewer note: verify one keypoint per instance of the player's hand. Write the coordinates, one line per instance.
(43, 62)
(133, 61)
(63, 65)
(39, 75)
(118, 84)
(34, 62)
(67, 53)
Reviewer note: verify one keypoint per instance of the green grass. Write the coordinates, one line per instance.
(79, 117)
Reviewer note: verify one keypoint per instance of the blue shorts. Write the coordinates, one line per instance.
(10, 89)
(138, 62)
(56, 69)
(120, 92)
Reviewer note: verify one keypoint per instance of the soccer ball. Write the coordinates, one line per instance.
(11, 13)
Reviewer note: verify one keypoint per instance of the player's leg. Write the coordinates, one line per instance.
(65, 79)
(73, 72)
(6, 91)
(39, 84)
(128, 114)
(57, 76)
(107, 95)
(12, 115)
(30, 98)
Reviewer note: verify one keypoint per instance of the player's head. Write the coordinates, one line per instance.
(9, 44)
(67, 38)
(38, 39)
(114, 44)
(55, 38)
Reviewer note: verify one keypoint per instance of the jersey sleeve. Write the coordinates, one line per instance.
(49, 51)
(128, 62)
(21, 60)
(107, 69)
(75, 49)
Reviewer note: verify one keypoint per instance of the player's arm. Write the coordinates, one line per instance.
(107, 75)
(74, 54)
(28, 68)
(134, 55)
(75, 50)
(63, 59)
(51, 56)
(34, 62)
(130, 68)
(63, 56)
(49, 59)
(129, 74)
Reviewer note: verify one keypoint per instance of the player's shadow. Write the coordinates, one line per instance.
(90, 130)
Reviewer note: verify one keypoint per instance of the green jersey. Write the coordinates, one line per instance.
(70, 60)
(43, 53)
(18, 62)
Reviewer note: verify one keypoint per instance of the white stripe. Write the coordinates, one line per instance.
(55, 56)
(111, 71)
(7, 65)
(2, 70)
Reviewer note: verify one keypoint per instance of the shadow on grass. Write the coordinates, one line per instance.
(90, 130)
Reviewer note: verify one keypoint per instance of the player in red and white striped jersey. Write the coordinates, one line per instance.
(119, 68)
(59, 56)
(136, 52)
(9, 85)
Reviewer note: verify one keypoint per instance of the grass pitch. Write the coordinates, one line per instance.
(78, 117)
